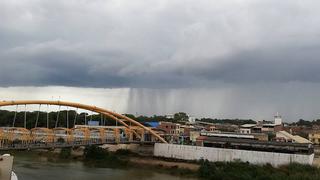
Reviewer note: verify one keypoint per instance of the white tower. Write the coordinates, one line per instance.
(277, 119)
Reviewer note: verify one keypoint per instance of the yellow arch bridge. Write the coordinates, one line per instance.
(129, 130)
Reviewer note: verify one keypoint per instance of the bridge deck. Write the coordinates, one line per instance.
(62, 145)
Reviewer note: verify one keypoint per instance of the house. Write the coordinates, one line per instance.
(170, 128)
(246, 128)
(314, 137)
(271, 128)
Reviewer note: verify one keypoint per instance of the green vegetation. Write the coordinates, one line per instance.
(246, 171)
(182, 117)
(98, 157)
(65, 153)
(306, 123)
(271, 136)
(228, 121)
(125, 152)
(175, 170)
(177, 117)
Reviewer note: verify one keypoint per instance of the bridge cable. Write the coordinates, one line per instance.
(116, 123)
(57, 120)
(85, 118)
(25, 116)
(38, 117)
(48, 116)
(67, 117)
(101, 119)
(75, 119)
(15, 116)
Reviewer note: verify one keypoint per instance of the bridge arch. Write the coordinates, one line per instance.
(115, 116)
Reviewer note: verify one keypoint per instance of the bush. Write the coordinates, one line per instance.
(95, 153)
(246, 171)
(100, 157)
(124, 152)
(65, 153)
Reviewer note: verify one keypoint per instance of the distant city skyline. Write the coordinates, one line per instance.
(224, 59)
(164, 101)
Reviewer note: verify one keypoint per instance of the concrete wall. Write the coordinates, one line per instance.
(220, 154)
(6, 167)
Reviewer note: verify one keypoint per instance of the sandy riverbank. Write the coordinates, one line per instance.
(150, 161)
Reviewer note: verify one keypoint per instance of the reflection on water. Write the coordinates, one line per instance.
(29, 166)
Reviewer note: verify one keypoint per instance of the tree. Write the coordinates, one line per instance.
(180, 116)
(302, 122)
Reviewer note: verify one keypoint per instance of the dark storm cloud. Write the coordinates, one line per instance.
(51, 66)
(160, 44)
(279, 66)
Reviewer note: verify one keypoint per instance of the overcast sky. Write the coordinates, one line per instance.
(237, 58)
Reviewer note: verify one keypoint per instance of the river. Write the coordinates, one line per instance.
(30, 166)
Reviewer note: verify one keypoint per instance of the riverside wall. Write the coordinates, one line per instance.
(185, 152)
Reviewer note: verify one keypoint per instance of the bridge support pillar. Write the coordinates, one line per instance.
(102, 135)
(142, 135)
(117, 135)
(130, 136)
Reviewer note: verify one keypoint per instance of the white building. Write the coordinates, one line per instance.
(192, 119)
(169, 116)
(246, 128)
(277, 119)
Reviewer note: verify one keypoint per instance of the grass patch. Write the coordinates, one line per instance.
(246, 171)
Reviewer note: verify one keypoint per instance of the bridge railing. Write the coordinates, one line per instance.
(20, 138)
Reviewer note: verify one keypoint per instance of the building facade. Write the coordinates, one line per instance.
(314, 137)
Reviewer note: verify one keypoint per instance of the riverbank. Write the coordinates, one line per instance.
(98, 158)
(32, 166)
(147, 161)
(122, 159)
(126, 155)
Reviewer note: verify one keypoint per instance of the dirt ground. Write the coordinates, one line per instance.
(316, 161)
(168, 164)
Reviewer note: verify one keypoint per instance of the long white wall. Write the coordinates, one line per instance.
(219, 154)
